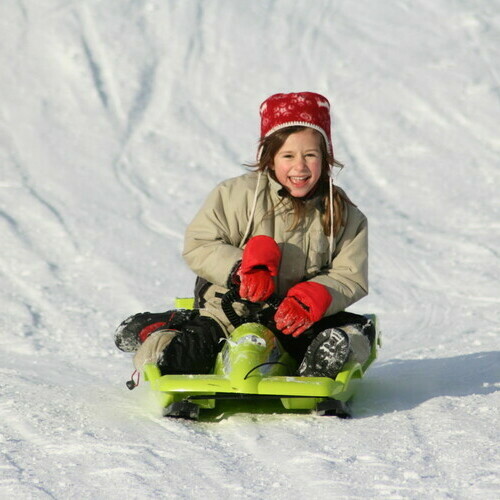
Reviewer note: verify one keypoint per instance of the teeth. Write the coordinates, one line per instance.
(298, 178)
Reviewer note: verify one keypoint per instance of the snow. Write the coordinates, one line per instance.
(118, 117)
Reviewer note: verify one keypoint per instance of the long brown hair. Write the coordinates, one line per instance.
(269, 147)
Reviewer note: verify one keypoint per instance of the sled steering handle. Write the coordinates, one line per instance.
(230, 297)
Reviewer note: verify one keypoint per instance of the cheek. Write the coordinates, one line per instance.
(279, 171)
(317, 167)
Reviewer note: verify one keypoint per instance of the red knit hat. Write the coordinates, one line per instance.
(302, 108)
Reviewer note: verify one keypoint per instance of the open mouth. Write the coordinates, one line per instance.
(299, 180)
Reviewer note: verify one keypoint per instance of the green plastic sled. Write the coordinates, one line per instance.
(253, 366)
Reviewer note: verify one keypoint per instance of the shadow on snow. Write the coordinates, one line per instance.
(402, 384)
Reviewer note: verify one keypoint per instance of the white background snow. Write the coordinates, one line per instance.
(116, 119)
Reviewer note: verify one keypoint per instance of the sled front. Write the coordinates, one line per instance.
(295, 393)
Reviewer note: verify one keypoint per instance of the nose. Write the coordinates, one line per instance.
(301, 162)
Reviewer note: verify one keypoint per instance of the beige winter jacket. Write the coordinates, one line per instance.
(214, 240)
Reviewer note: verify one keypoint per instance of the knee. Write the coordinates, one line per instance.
(153, 348)
(360, 341)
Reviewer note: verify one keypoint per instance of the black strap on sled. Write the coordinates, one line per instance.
(230, 297)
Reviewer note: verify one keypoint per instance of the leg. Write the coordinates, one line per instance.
(191, 349)
(134, 330)
(328, 344)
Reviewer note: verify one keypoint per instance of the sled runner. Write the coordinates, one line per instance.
(253, 366)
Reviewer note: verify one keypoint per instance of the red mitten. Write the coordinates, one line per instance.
(260, 262)
(304, 304)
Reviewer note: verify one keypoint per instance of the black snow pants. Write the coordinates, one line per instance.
(194, 349)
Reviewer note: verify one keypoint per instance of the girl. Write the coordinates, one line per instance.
(283, 228)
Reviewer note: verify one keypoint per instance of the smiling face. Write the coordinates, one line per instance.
(297, 164)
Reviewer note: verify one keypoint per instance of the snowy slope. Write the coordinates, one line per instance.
(117, 118)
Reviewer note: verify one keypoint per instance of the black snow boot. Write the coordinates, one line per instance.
(326, 354)
(134, 330)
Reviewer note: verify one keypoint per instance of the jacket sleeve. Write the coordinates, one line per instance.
(212, 238)
(347, 276)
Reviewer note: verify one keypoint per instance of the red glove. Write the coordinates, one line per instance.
(260, 262)
(304, 304)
